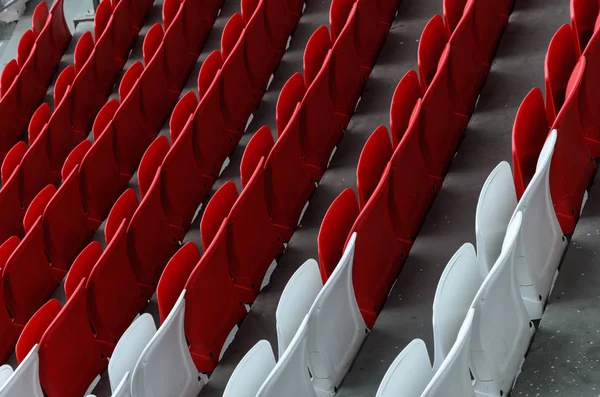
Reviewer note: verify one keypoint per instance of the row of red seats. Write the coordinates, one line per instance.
(585, 19)
(60, 222)
(114, 285)
(25, 80)
(570, 108)
(399, 176)
(79, 92)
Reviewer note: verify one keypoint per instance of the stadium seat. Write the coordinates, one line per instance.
(375, 155)
(296, 300)
(331, 353)
(165, 366)
(496, 204)
(251, 372)
(588, 100)
(5, 372)
(584, 16)
(25, 380)
(453, 378)
(540, 245)
(405, 97)
(501, 327)
(124, 388)
(454, 295)
(431, 45)
(409, 374)
(290, 372)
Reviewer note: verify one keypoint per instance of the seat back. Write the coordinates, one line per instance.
(128, 351)
(124, 388)
(25, 380)
(251, 372)
(541, 243)
(5, 372)
(291, 372)
(295, 302)
(336, 329)
(501, 329)
(584, 14)
(454, 295)
(409, 374)
(165, 367)
(453, 377)
(496, 204)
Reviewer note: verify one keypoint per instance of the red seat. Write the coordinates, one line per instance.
(572, 165)
(28, 277)
(589, 100)
(374, 157)
(9, 333)
(334, 231)
(403, 102)
(491, 18)
(584, 16)
(529, 134)
(213, 308)
(36, 171)
(441, 128)
(560, 60)
(70, 358)
(288, 185)
(290, 95)
(12, 127)
(453, 12)
(11, 210)
(431, 45)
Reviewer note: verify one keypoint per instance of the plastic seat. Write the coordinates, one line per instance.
(331, 352)
(453, 377)
(25, 380)
(291, 372)
(409, 374)
(584, 15)
(560, 61)
(5, 372)
(165, 367)
(588, 100)
(453, 12)
(431, 45)
(128, 351)
(296, 300)
(213, 308)
(251, 372)
(540, 244)
(491, 18)
(124, 388)
(10, 207)
(454, 295)
(496, 205)
(501, 327)
(375, 155)
(405, 97)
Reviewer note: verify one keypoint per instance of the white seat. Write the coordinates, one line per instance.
(496, 204)
(290, 377)
(541, 243)
(409, 374)
(501, 329)
(129, 349)
(454, 295)
(5, 372)
(123, 388)
(25, 380)
(453, 378)
(165, 367)
(251, 372)
(336, 329)
(296, 300)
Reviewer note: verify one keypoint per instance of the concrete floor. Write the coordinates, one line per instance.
(564, 358)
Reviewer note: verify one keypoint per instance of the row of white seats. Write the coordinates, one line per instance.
(484, 302)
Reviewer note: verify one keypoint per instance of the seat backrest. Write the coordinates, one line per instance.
(5, 372)
(501, 329)
(409, 374)
(251, 372)
(541, 243)
(584, 14)
(291, 372)
(453, 377)
(295, 302)
(129, 349)
(431, 45)
(458, 285)
(165, 367)
(336, 329)
(25, 380)
(375, 155)
(496, 204)
(124, 388)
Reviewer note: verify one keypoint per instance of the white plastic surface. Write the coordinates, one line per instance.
(541, 244)
(5, 372)
(25, 380)
(336, 329)
(453, 378)
(454, 295)
(296, 300)
(496, 204)
(409, 374)
(501, 327)
(251, 372)
(165, 367)
(130, 348)
(290, 377)
(123, 388)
